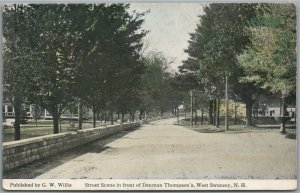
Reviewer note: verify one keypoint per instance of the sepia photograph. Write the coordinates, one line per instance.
(149, 96)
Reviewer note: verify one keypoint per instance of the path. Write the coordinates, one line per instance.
(165, 151)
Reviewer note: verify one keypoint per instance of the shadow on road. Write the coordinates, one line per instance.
(291, 136)
(208, 131)
(39, 167)
(220, 131)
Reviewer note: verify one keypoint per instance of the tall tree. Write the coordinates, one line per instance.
(270, 60)
(18, 57)
(54, 70)
(111, 65)
(213, 47)
(154, 84)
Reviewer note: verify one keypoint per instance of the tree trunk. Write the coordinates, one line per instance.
(217, 113)
(55, 124)
(17, 125)
(202, 116)
(111, 117)
(256, 116)
(59, 121)
(94, 117)
(161, 113)
(249, 104)
(226, 103)
(214, 111)
(140, 115)
(195, 110)
(282, 114)
(196, 116)
(122, 117)
(192, 109)
(55, 116)
(80, 112)
(105, 116)
(35, 115)
(177, 116)
(210, 114)
(235, 109)
(133, 116)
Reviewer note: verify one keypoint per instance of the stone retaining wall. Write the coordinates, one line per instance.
(22, 152)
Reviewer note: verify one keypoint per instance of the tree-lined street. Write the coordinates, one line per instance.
(91, 59)
(78, 69)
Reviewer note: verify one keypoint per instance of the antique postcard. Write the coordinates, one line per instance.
(149, 96)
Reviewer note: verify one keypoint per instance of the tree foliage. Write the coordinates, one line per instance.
(18, 54)
(270, 60)
(219, 38)
(56, 54)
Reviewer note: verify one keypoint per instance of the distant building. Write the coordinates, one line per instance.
(8, 112)
(267, 106)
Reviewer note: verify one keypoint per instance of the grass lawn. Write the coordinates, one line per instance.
(45, 127)
(291, 129)
(30, 129)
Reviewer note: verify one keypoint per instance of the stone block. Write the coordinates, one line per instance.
(6, 166)
(5, 151)
(28, 153)
(23, 155)
(11, 165)
(12, 150)
(5, 158)
(44, 143)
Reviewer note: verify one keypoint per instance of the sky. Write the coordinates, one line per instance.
(169, 25)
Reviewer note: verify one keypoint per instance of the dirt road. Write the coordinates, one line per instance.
(163, 150)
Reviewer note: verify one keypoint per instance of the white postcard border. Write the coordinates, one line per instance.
(146, 184)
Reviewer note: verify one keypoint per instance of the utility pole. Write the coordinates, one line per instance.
(80, 111)
(226, 103)
(191, 118)
(195, 120)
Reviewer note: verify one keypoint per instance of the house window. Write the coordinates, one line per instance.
(9, 109)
